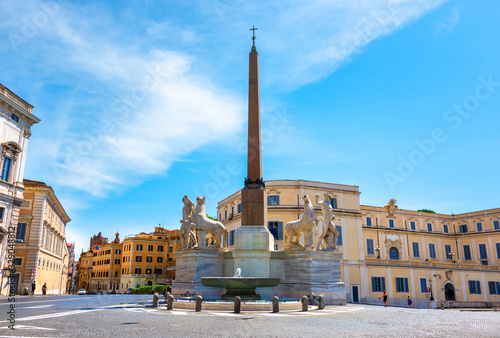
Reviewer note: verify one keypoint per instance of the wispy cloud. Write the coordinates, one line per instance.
(129, 106)
(447, 24)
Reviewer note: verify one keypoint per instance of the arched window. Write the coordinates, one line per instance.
(394, 254)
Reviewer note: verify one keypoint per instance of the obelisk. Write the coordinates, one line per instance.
(253, 195)
(253, 242)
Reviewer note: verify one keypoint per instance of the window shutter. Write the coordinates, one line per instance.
(478, 287)
(491, 286)
(383, 283)
(278, 200)
(471, 287)
(280, 230)
(268, 200)
(406, 284)
(373, 284)
(498, 287)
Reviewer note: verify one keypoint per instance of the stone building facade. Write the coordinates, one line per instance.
(16, 120)
(41, 249)
(403, 252)
(138, 260)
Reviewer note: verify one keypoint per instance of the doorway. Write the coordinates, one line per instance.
(14, 284)
(355, 293)
(449, 292)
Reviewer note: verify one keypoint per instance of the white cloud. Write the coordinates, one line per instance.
(447, 24)
(138, 106)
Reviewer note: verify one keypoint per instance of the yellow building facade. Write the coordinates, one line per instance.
(41, 250)
(453, 259)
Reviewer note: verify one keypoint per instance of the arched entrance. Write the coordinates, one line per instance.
(150, 283)
(449, 292)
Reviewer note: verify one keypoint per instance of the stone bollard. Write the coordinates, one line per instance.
(199, 300)
(304, 303)
(237, 304)
(156, 298)
(170, 302)
(166, 296)
(276, 304)
(321, 302)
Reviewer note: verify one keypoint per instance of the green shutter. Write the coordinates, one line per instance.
(383, 283)
(373, 285)
(478, 287)
(406, 285)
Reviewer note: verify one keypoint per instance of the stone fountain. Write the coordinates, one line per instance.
(301, 269)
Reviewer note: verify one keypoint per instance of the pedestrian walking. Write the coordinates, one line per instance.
(384, 297)
(44, 289)
(409, 302)
(33, 288)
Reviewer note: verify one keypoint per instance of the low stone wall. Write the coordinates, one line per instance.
(462, 304)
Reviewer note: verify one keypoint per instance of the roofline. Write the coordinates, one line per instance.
(18, 103)
(42, 185)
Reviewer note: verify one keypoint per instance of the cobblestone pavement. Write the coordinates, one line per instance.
(111, 316)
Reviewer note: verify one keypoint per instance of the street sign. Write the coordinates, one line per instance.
(426, 295)
(427, 289)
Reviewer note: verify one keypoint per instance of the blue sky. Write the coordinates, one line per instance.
(144, 101)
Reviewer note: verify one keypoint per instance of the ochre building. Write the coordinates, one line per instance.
(424, 255)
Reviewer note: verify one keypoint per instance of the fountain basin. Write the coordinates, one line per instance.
(244, 287)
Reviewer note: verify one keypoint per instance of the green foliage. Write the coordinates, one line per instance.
(427, 210)
(149, 289)
(215, 219)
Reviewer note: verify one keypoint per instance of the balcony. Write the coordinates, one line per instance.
(424, 264)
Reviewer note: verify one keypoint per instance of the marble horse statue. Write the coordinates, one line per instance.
(202, 223)
(188, 236)
(304, 225)
(328, 233)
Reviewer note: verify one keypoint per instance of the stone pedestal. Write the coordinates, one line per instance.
(308, 272)
(252, 250)
(191, 265)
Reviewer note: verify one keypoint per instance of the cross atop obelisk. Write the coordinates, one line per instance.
(253, 195)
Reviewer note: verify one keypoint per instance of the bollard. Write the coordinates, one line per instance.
(170, 302)
(237, 304)
(199, 300)
(304, 303)
(156, 298)
(276, 304)
(321, 302)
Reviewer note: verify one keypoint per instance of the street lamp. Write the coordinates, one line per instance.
(430, 287)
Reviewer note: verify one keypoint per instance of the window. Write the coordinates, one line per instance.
(479, 226)
(159, 259)
(276, 229)
(391, 223)
(339, 239)
(463, 228)
(138, 271)
(149, 259)
(467, 255)
(21, 232)
(170, 249)
(496, 225)
(139, 247)
(423, 285)
(429, 227)
(432, 250)
(273, 200)
(238, 208)
(231, 237)
(117, 260)
(150, 247)
(232, 211)
(393, 254)
(6, 168)
(416, 250)
(160, 248)
(118, 251)
(333, 203)
(412, 225)
(445, 228)
(220, 217)
(369, 221)
(138, 258)
(14, 117)
(483, 254)
(498, 250)
(225, 214)
(401, 284)
(447, 250)
(18, 261)
(378, 284)
(116, 273)
(369, 247)
(1, 213)
(494, 288)
(148, 271)
(474, 287)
